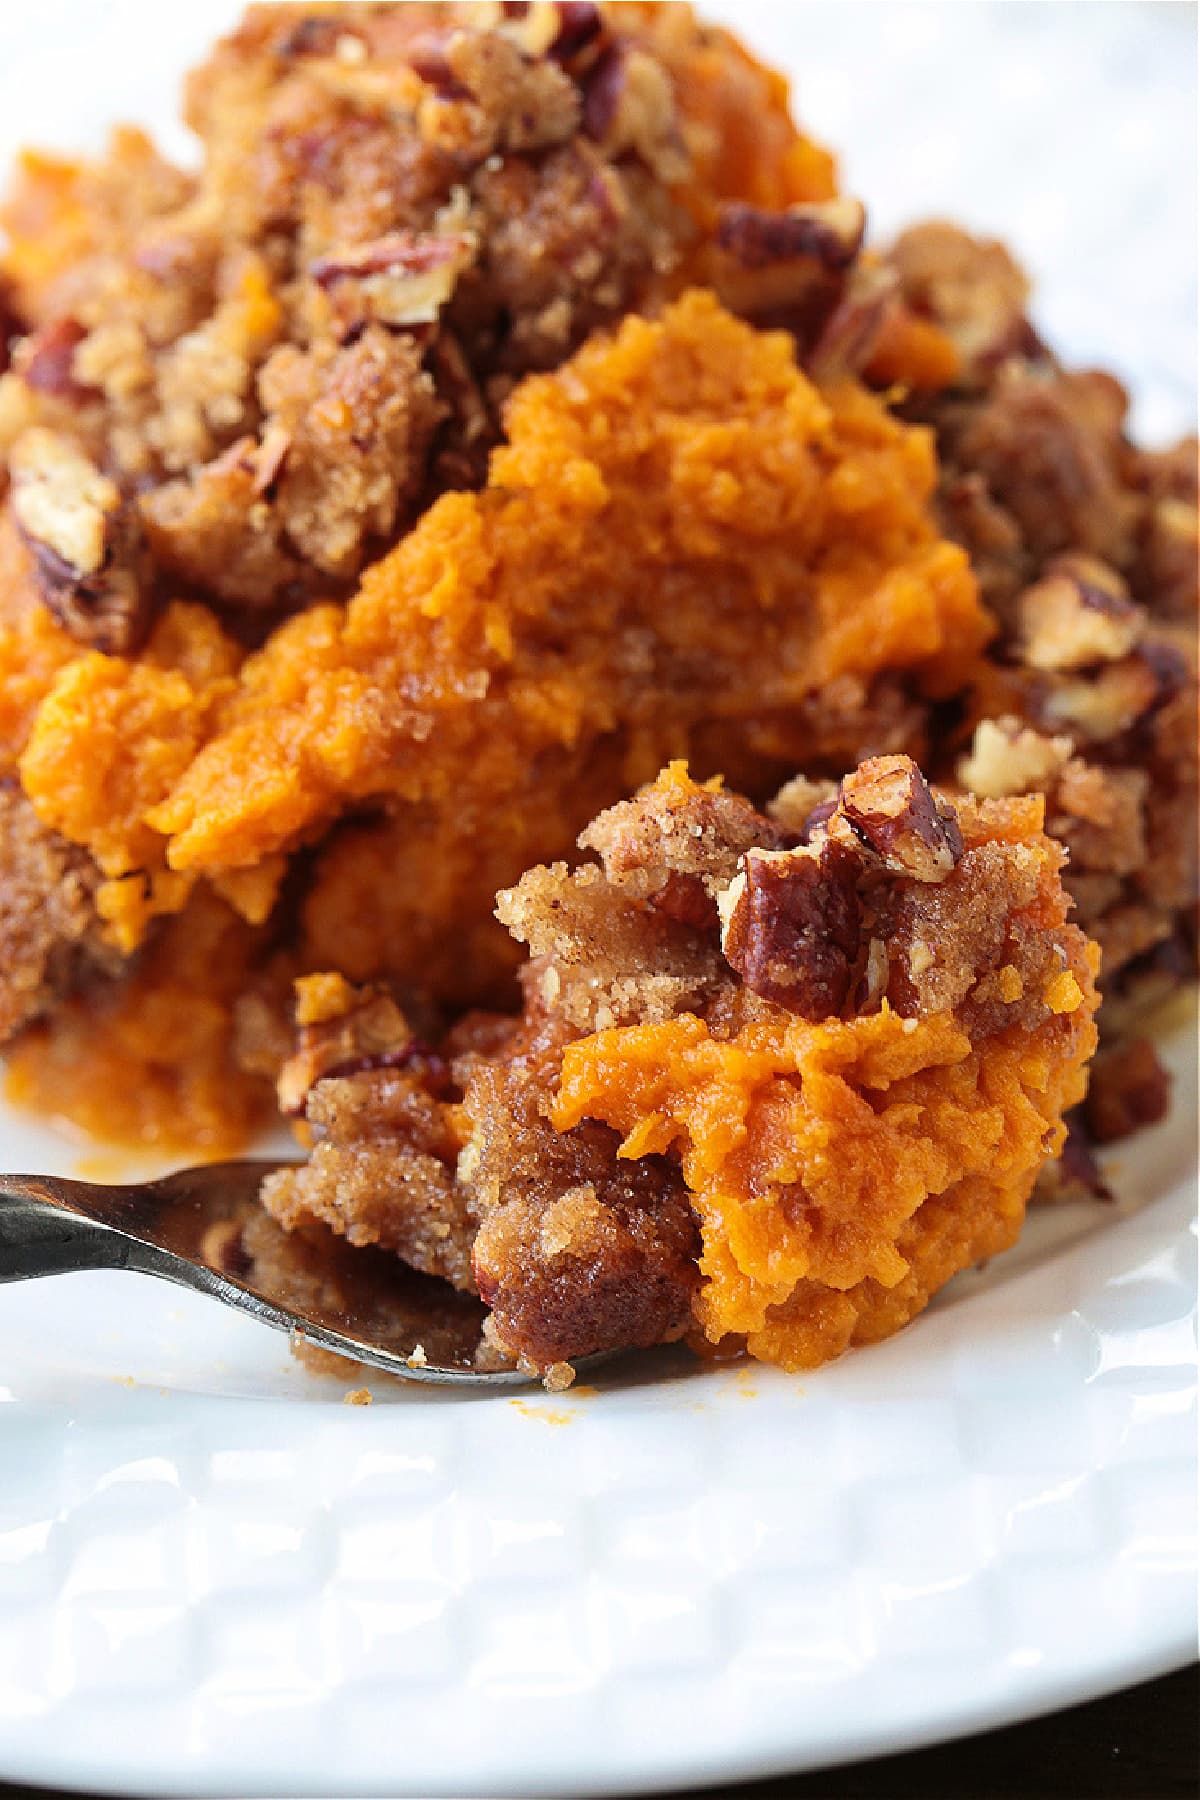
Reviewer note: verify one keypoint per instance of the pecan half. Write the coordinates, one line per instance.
(790, 923)
(87, 542)
(887, 808)
(1078, 614)
(403, 279)
(828, 231)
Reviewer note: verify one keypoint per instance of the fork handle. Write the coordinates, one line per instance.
(43, 1233)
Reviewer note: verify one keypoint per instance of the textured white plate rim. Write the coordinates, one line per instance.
(1106, 1677)
(802, 1741)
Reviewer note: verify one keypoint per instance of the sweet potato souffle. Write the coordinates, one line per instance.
(641, 720)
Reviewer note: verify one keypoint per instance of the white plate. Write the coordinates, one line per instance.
(215, 1578)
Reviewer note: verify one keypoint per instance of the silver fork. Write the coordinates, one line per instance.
(203, 1229)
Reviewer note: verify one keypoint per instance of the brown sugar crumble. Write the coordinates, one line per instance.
(639, 719)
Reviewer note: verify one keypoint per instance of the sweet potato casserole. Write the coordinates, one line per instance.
(643, 724)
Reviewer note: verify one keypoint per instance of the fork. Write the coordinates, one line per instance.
(203, 1228)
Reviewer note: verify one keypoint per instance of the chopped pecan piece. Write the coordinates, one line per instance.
(403, 279)
(540, 27)
(1007, 757)
(790, 926)
(828, 231)
(818, 817)
(851, 332)
(315, 35)
(871, 981)
(46, 361)
(1077, 615)
(462, 461)
(427, 57)
(579, 25)
(1170, 554)
(629, 106)
(971, 287)
(1048, 447)
(270, 458)
(61, 500)
(1100, 814)
(342, 1031)
(1129, 1089)
(1106, 703)
(888, 808)
(87, 542)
